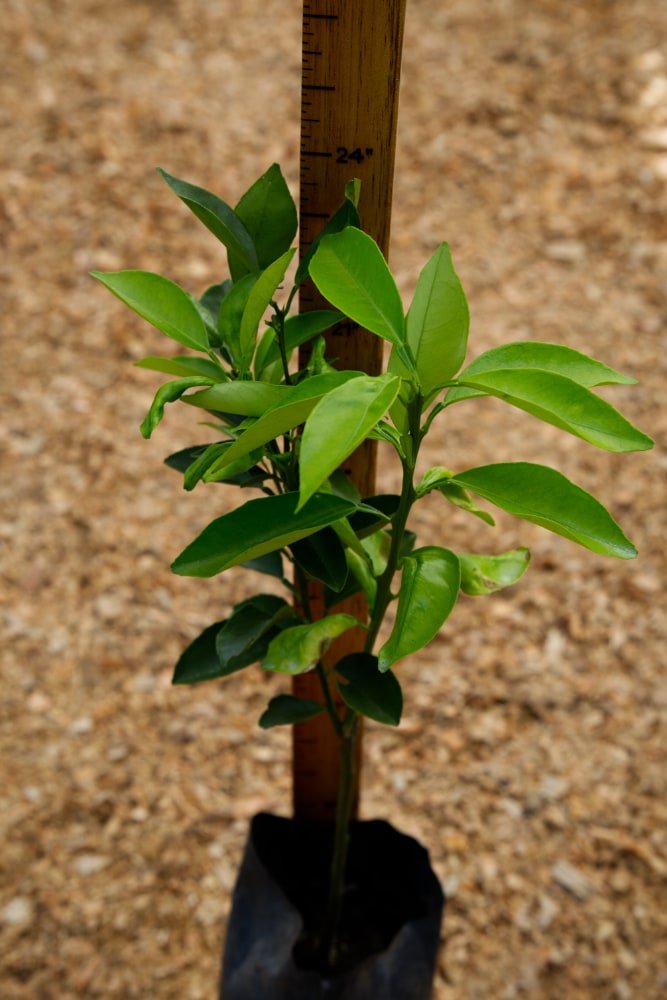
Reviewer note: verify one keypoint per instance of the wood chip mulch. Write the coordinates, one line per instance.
(533, 137)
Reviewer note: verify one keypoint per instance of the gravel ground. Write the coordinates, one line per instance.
(533, 137)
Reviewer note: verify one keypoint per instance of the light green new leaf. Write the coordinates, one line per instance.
(258, 302)
(559, 401)
(268, 212)
(161, 302)
(291, 411)
(338, 425)
(547, 357)
(437, 324)
(545, 497)
(219, 218)
(369, 692)
(300, 648)
(440, 479)
(183, 365)
(257, 527)
(230, 315)
(286, 710)
(244, 399)
(351, 273)
(429, 588)
(168, 393)
(482, 574)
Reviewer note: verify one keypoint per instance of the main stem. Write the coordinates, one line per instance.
(348, 736)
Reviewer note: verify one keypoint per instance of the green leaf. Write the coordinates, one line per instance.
(300, 648)
(437, 324)
(245, 637)
(429, 588)
(268, 212)
(375, 513)
(322, 556)
(257, 527)
(168, 393)
(214, 453)
(245, 399)
(258, 302)
(298, 330)
(547, 357)
(286, 710)
(338, 425)
(369, 692)
(560, 401)
(482, 574)
(351, 273)
(158, 300)
(360, 569)
(271, 564)
(214, 295)
(219, 218)
(346, 215)
(199, 662)
(183, 365)
(295, 404)
(440, 479)
(230, 315)
(541, 495)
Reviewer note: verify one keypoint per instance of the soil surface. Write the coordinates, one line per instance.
(533, 137)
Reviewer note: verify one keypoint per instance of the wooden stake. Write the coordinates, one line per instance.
(349, 109)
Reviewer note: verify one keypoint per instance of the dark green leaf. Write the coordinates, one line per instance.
(560, 401)
(286, 710)
(300, 648)
(197, 470)
(168, 393)
(545, 497)
(213, 296)
(271, 564)
(244, 638)
(429, 588)
(268, 212)
(338, 425)
(180, 460)
(199, 662)
(346, 215)
(365, 521)
(219, 218)
(322, 556)
(369, 692)
(482, 574)
(158, 300)
(351, 273)
(257, 527)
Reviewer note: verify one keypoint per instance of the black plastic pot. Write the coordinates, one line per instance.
(390, 924)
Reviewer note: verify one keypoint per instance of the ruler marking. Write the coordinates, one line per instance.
(308, 152)
(318, 86)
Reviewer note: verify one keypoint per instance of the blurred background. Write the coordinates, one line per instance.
(532, 137)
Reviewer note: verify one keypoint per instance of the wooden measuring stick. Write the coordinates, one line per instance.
(349, 108)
